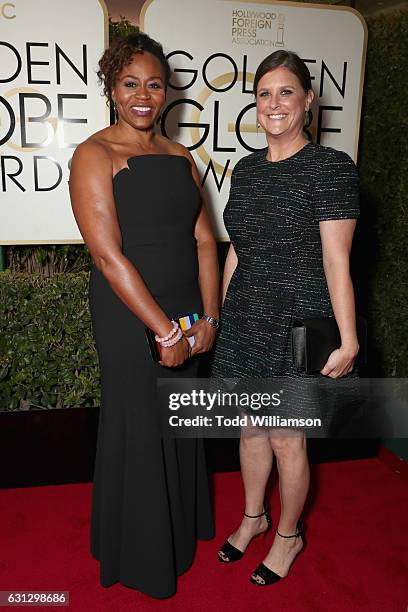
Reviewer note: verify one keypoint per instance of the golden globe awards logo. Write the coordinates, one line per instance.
(211, 107)
(211, 100)
(33, 117)
(50, 101)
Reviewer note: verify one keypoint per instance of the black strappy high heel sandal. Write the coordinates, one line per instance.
(234, 554)
(267, 575)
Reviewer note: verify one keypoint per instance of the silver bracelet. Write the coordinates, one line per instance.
(215, 323)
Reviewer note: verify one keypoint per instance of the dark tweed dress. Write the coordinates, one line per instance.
(272, 218)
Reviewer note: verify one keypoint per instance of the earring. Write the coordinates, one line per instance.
(115, 112)
(308, 118)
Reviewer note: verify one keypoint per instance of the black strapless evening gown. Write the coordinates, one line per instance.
(150, 498)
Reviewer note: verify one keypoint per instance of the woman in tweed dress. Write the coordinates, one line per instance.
(291, 216)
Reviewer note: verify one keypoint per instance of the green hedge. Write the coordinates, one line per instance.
(383, 165)
(47, 353)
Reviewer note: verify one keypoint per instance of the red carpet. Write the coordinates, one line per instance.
(355, 558)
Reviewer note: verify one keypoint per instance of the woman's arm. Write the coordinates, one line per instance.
(231, 263)
(95, 212)
(208, 275)
(336, 237)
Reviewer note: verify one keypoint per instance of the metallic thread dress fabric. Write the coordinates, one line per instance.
(272, 217)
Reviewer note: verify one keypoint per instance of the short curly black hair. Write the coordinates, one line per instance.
(120, 53)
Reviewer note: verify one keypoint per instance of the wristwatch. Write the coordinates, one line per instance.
(215, 323)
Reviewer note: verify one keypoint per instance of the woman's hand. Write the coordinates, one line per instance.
(340, 362)
(336, 236)
(173, 356)
(204, 336)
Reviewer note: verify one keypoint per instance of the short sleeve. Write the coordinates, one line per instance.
(336, 193)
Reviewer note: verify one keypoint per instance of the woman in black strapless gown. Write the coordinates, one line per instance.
(153, 251)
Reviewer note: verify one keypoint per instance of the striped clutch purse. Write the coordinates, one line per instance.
(186, 322)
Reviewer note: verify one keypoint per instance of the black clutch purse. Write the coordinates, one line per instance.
(154, 346)
(314, 339)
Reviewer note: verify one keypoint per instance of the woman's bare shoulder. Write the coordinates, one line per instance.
(95, 148)
(173, 148)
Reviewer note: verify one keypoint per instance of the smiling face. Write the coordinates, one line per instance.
(281, 103)
(139, 91)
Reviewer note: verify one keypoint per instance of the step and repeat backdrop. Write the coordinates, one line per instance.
(50, 100)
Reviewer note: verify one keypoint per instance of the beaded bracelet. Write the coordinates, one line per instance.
(173, 341)
(169, 335)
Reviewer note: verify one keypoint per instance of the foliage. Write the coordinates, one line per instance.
(383, 165)
(121, 28)
(47, 353)
(47, 260)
